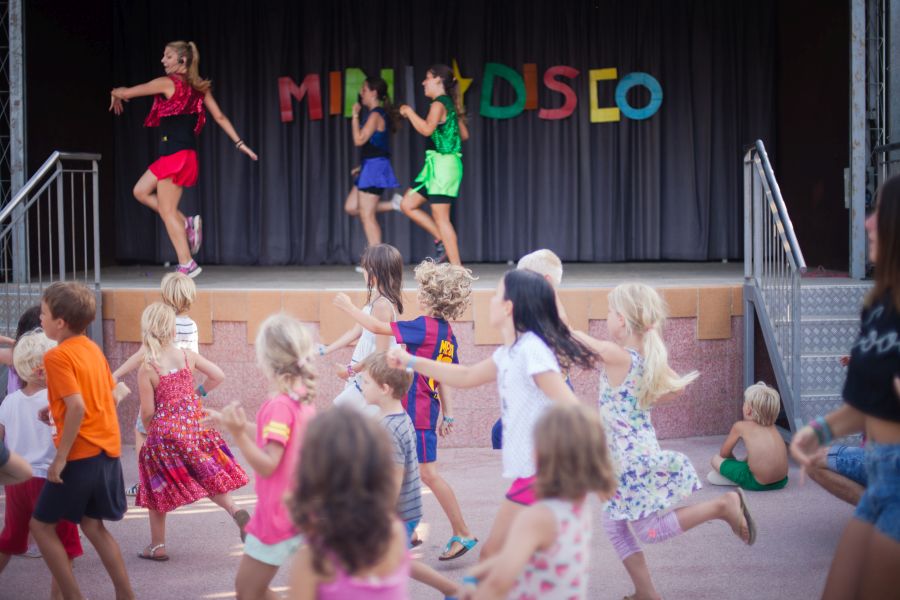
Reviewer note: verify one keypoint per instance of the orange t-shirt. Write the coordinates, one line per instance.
(77, 366)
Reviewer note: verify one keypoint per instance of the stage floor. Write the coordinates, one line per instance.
(576, 275)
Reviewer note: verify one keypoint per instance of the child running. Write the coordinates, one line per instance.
(345, 505)
(382, 267)
(23, 433)
(284, 354)
(178, 291)
(440, 178)
(181, 461)
(547, 552)
(444, 293)
(84, 479)
(635, 376)
(528, 375)
(385, 388)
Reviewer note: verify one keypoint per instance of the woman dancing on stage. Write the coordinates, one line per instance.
(178, 111)
(439, 180)
(371, 134)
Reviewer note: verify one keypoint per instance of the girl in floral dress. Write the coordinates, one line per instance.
(636, 375)
(181, 462)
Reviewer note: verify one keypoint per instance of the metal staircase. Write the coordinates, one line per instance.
(807, 325)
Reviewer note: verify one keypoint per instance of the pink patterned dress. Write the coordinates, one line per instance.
(181, 462)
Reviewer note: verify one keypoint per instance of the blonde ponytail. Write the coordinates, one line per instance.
(645, 313)
(157, 330)
(189, 56)
(284, 353)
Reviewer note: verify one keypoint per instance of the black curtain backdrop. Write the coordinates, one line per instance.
(665, 188)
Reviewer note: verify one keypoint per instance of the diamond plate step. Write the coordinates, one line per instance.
(812, 406)
(832, 300)
(824, 335)
(822, 374)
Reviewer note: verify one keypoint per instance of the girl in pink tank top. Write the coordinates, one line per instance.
(344, 503)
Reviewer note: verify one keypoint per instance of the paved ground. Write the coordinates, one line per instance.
(798, 531)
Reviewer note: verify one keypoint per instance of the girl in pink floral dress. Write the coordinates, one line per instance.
(181, 462)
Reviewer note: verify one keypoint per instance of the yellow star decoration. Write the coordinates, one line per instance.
(461, 81)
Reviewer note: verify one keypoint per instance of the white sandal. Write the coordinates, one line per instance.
(152, 556)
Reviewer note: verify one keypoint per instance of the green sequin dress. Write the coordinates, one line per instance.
(443, 168)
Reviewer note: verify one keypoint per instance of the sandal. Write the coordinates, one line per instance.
(745, 511)
(152, 556)
(466, 543)
(241, 518)
(132, 491)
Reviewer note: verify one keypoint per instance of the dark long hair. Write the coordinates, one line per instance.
(451, 86)
(379, 86)
(887, 262)
(30, 320)
(344, 501)
(534, 309)
(384, 267)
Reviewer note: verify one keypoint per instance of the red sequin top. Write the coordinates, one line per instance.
(185, 101)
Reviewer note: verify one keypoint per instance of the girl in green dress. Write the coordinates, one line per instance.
(439, 180)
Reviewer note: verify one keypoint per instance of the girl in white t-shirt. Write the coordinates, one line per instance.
(529, 380)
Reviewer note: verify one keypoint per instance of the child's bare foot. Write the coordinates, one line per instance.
(739, 517)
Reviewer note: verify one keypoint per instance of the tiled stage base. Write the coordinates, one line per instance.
(708, 407)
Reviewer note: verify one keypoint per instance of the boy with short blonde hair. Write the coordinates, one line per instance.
(766, 467)
(544, 262)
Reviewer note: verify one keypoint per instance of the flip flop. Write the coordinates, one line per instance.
(745, 511)
(466, 543)
(152, 556)
(241, 518)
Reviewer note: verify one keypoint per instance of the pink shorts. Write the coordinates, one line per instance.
(522, 491)
(181, 168)
(20, 501)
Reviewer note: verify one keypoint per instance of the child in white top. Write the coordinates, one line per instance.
(25, 434)
(635, 376)
(527, 371)
(546, 554)
(178, 291)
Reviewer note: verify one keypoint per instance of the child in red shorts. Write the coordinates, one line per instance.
(26, 435)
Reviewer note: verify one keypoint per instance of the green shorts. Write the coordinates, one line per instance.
(441, 175)
(739, 472)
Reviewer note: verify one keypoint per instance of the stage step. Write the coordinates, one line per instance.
(836, 300)
(828, 335)
(814, 405)
(821, 373)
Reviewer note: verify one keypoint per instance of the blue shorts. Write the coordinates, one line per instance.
(497, 435)
(849, 461)
(410, 530)
(880, 504)
(139, 425)
(91, 487)
(426, 445)
(271, 554)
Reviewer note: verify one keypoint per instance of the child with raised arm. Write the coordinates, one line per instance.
(547, 552)
(181, 461)
(385, 387)
(382, 267)
(635, 376)
(284, 354)
(528, 375)
(84, 479)
(28, 436)
(444, 293)
(178, 291)
(345, 504)
(766, 467)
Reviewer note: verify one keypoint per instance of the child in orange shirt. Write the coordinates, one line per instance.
(84, 480)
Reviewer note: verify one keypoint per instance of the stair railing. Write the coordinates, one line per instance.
(773, 265)
(50, 231)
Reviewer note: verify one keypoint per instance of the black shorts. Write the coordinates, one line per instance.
(435, 198)
(372, 190)
(92, 487)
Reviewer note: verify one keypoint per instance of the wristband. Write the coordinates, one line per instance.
(239, 143)
(411, 365)
(449, 420)
(350, 372)
(469, 580)
(822, 430)
(201, 390)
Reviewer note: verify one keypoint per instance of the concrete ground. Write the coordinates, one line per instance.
(798, 531)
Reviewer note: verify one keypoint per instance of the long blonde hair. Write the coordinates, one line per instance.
(157, 330)
(189, 56)
(284, 353)
(645, 313)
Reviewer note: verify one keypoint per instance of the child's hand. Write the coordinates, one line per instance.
(845, 360)
(233, 418)
(54, 471)
(343, 302)
(356, 108)
(446, 425)
(398, 358)
(43, 416)
(7, 340)
(211, 418)
(341, 371)
(246, 150)
(120, 392)
(804, 446)
(404, 111)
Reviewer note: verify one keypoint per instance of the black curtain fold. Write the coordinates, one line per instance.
(665, 188)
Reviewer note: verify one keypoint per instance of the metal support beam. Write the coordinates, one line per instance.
(893, 78)
(17, 131)
(858, 145)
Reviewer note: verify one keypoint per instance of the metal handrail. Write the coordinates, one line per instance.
(773, 266)
(44, 169)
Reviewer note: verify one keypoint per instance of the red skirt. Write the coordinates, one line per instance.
(181, 168)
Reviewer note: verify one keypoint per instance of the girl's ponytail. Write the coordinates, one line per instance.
(157, 330)
(189, 56)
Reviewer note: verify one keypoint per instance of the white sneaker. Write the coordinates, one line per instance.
(33, 551)
(716, 478)
(396, 199)
(359, 269)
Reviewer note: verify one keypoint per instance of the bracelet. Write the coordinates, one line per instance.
(321, 349)
(822, 430)
(350, 372)
(469, 580)
(239, 143)
(410, 366)
(449, 420)
(201, 390)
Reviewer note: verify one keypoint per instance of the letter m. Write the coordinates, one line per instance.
(309, 89)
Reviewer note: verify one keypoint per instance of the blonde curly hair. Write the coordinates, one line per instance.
(444, 288)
